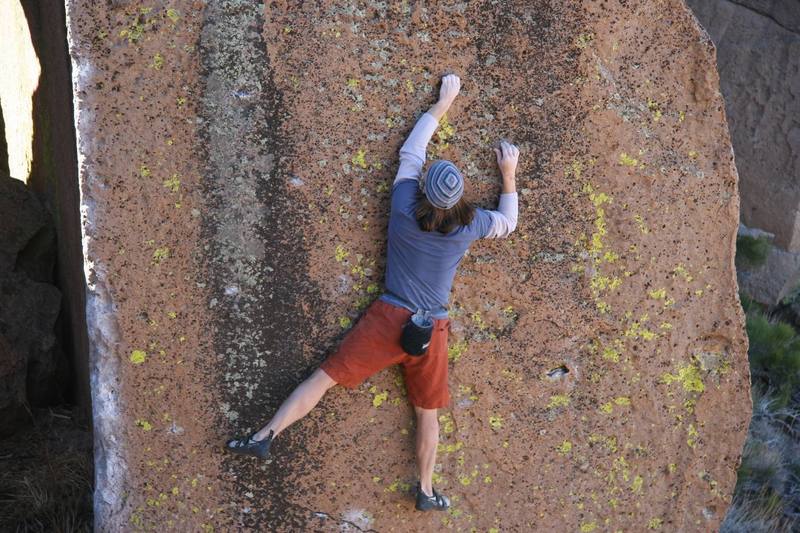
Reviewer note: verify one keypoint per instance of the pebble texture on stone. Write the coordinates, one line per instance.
(236, 162)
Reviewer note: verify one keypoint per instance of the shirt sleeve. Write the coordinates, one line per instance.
(504, 219)
(413, 151)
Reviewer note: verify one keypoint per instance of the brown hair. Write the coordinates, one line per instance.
(431, 218)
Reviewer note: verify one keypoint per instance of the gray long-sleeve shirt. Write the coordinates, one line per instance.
(421, 265)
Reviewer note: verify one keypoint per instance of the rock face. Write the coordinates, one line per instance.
(759, 66)
(235, 168)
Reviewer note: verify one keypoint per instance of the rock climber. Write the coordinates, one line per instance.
(431, 226)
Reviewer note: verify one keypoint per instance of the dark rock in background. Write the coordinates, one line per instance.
(12, 387)
(32, 365)
(758, 56)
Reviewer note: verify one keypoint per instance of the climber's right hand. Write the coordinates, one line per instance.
(451, 85)
(507, 158)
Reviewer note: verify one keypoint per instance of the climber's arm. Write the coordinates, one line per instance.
(412, 153)
(504, 220)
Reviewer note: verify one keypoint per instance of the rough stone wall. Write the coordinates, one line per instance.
(235, 164)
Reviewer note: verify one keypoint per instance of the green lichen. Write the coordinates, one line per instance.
(496, 422)
(587, 527)
(654, 523)
(565, 447)
(158, 61)
(173, 15)
(344, 322)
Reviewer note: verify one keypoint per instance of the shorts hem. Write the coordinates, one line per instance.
(335, 376)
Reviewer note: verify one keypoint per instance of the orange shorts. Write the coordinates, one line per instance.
(374, 343)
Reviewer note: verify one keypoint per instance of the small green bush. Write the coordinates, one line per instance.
(774, 356)
(751, 251)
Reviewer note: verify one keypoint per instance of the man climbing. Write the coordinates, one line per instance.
(431, 226)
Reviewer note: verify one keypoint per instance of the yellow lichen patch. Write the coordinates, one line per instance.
(654, 523)
(665, 325)
(693, 154)
(379, 398)
(160, 254)
(359, 159)
(138, 357)
(610, 256)
(574, 169)
(627, 160)
(445, 131)
(344, 322)
(496, 421)
(641, 224)
(692, 436)
(448, 425)
(340, 254)
(636, 485)
(409, 86)
(583, 40)
(564, 448)
(158, 61)
(607, 408)
(449, 448)
(636, 329)
(622, 400)
(688, 376)
(655, 109)
(144, 171)
(173, 183)
(353, 82)
(558, 400)
(144, 424)
(672, 468)
(680, 270)
(659, 294)
(456, 350)
(173, 15)
(612, 353)
(587, 527)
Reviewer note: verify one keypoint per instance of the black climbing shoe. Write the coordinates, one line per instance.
(248, 446)
(437, 502)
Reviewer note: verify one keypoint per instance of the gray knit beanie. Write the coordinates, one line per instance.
(444, 184)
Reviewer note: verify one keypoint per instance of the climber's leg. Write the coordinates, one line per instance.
(427, 441)
(299, 403)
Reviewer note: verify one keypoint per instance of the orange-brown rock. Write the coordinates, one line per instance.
(235, 169)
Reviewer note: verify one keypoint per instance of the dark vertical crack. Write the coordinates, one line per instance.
(256, 264)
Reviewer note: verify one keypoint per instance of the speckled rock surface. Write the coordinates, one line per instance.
(235, 167)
